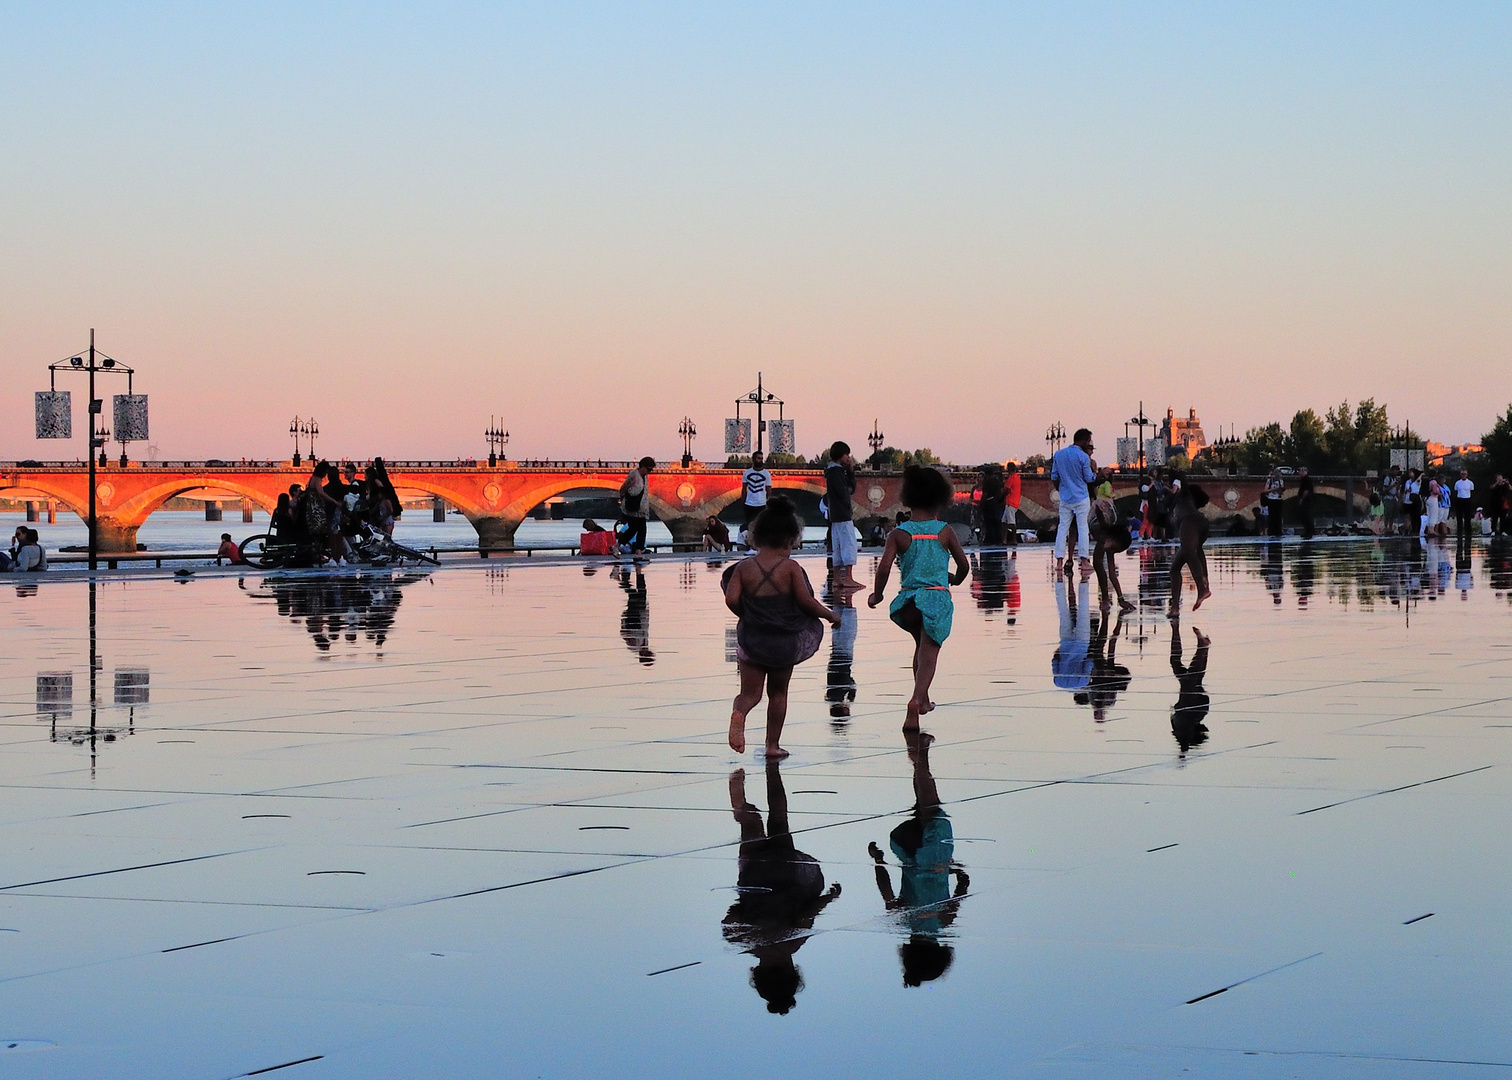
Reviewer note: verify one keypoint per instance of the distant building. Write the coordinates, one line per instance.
(1183, 435)
(1438, 453)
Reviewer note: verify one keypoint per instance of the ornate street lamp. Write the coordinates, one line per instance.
(296, 429)
(689, 432)
(1141, 422)
(875, 441)
(1055, 434)
(497, 440)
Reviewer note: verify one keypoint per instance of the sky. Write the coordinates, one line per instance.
(965, 222)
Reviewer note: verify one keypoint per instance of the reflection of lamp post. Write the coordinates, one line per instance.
(1141, 422)
(497, 440)
(1055, 434)
(689, 432)
(875, 440)
(95, 362)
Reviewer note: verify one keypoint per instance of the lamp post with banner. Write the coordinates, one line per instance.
(54, 418)
(762, 399)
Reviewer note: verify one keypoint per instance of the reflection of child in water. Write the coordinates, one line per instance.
(925, 846)
(781, 893)
(1191, 707)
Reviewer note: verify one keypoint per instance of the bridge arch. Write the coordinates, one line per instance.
(68, 499)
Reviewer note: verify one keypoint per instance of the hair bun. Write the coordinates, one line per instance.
(781, 503)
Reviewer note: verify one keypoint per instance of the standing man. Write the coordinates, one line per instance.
(1013, 495)
(1391, 497)
(1305, 502)
(635, 504)
(1071, 472)
(1501, 505)
(1464, 503)
(755, 486)
(839, 486)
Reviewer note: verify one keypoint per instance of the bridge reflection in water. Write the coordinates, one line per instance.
(495, 499)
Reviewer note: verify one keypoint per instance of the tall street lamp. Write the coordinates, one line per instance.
(497, 440)
(1141, 422)
(1055, 434)
(875, 441)
(55, 420)
(296, 429)
(689, 432)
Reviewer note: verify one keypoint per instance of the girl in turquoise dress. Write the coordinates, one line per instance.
(923, 547)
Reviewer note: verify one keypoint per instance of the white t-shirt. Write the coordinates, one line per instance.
(1464, 488)
(758, 483)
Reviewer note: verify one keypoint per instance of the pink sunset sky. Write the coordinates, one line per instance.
(967, 223)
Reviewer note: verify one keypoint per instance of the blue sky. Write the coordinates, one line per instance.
(593, 219)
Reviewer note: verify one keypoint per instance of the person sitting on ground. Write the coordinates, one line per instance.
(597, 540)
(30, 557)
(228, 551)
(716, 535)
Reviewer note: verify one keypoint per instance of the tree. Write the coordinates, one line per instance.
(1305, 440)
(1498, 444)
(1263, 449)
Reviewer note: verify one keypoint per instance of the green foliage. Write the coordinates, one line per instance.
(1498, 444)
(895, 460)
(1343, 440)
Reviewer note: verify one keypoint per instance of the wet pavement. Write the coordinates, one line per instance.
(483, 822)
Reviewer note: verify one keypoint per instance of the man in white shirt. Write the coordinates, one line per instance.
(1464, 503)
(755, 486)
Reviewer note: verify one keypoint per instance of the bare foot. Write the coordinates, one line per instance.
(911, 717)
(775, 753)
(1200, 598)
(737, 731)
(927, 707)
(1126, 605)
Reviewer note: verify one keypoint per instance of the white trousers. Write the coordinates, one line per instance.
(1079, 511)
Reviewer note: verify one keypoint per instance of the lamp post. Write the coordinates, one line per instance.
(312, 429)
(1141, 422)
(875, 440)
(91, 363)
(296, 429)
(497, 440)
(760, 397)
(689, 432)
(1055, 434)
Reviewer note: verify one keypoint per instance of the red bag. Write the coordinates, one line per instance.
(596, 543)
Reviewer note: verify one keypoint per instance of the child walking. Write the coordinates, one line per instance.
(779, 621)
(923, 548)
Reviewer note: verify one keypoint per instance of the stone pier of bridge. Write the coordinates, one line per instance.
(496, 499)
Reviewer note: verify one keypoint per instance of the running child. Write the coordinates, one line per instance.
(923, 547)
(779, 621)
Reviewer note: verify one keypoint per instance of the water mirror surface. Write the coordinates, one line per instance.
(482, 821)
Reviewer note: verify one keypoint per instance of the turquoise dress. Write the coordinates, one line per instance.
(925, 568)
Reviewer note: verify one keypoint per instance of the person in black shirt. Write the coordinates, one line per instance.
(1305, 497)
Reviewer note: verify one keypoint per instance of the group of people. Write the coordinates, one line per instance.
(1088, 512)
(327, 514)
(780, 620)
(1422, 503)
(26, 554)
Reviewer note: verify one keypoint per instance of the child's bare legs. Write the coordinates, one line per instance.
(752, 679)
(777, 701)
(926, 659)
(910, 618)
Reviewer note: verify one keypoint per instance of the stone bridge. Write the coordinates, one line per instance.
(497, 498)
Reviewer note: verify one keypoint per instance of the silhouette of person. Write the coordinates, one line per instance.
(1191, 707)
(780, 893)
(840, 690)
(635, 623)
(335, 608)
(1271, 567)
(989, 580)
(925, 846)
(1109, 678)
